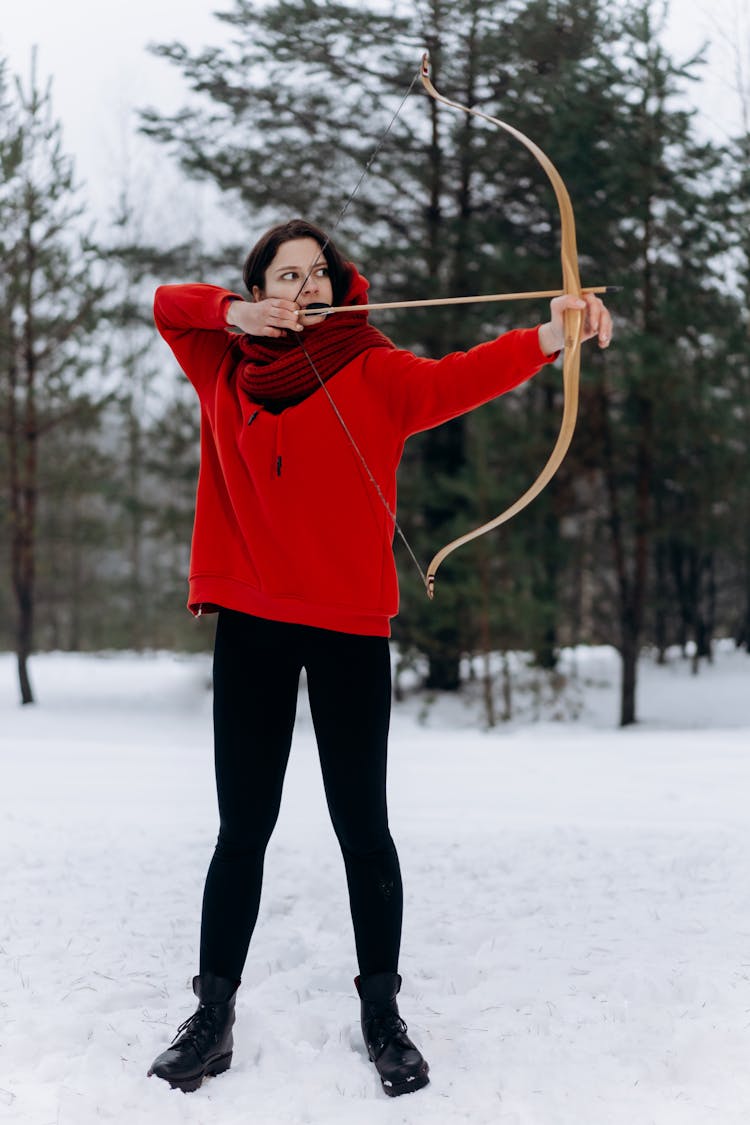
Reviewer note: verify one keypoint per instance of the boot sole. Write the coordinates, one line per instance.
(410, 1086)
(193, 1082)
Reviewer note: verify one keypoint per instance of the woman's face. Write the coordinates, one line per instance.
(294, 261)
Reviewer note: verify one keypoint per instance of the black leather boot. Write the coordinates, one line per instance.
(203, 1043)
(399, 1064)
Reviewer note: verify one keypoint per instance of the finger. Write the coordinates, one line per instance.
(567, 301)
(605, 329)
(279, 327)
(284, 314)
(593, 313)
(600, 322)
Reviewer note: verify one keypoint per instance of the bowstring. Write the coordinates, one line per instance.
(309, 358)
(366, 467)
(360, 181)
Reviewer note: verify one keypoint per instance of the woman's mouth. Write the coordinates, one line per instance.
(314, 309)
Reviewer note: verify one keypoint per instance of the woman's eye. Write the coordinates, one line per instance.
(323, 271)
(291, 275)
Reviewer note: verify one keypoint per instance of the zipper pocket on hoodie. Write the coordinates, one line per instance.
(250, 421)
(279, 445)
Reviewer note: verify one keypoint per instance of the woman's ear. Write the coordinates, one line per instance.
(257, 293)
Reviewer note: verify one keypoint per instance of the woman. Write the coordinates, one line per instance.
(303, 421)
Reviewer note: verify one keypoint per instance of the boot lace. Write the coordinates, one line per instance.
(386, 1028)
(199, 1027)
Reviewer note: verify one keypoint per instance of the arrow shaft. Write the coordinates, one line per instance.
(479, 298)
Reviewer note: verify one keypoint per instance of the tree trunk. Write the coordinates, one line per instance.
(137, 616)
(629, 657)
(488, 692)
(444, 672)
(681, 567)
(507, 690)
(710, 615)
(484, 567)
(443, 448)
(631, 580)
(662, 601)
(21, 439)
(743, 630)
(25, 483)
(547, 567)
(24, 635)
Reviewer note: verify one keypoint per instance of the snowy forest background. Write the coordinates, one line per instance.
(576, 934)
(643, 539)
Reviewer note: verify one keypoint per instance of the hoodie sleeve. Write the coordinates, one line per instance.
(192, 319)
(422, 393)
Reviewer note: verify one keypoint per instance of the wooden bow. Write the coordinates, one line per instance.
(572, 321)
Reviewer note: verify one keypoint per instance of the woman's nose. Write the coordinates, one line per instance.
(311, 284)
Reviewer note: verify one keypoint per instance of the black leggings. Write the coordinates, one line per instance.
(257, 665)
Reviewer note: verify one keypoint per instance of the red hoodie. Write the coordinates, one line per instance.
(288, 525)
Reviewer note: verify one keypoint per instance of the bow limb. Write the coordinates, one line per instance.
(573, 324)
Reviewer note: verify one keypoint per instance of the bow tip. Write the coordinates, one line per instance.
(425, 68)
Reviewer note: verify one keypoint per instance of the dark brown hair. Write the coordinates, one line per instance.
(264, 251)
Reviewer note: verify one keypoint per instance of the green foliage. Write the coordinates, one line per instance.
(455, 207)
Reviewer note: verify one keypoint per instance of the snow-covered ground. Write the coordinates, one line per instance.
(577, 933)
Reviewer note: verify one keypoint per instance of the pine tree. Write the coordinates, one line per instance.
(48, 308)
(736, 484)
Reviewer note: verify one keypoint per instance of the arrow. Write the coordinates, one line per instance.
(327, 310)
